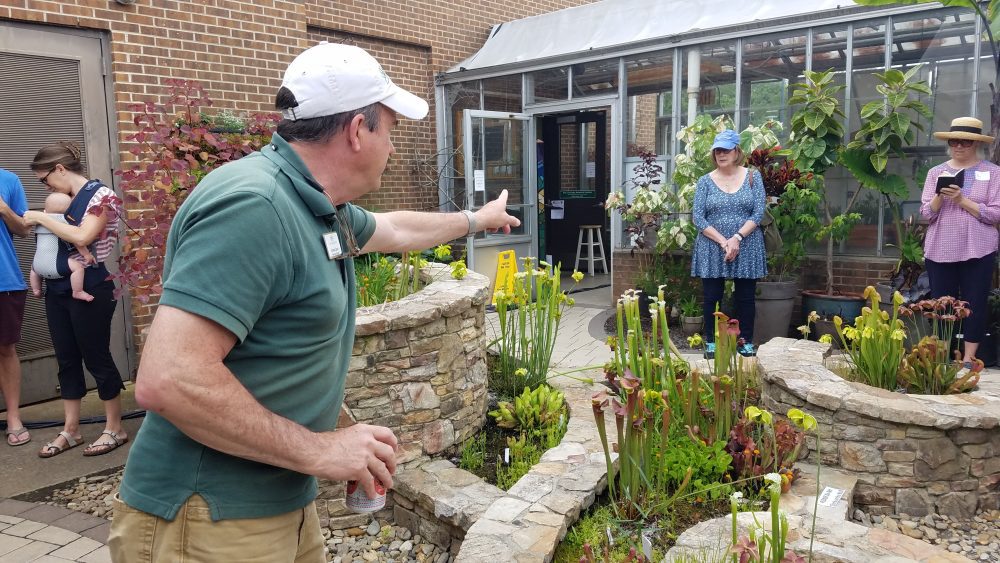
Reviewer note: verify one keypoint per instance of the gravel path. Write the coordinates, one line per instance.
(977, 539)
(379, 541)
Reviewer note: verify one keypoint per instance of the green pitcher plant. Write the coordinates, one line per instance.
(875, 342)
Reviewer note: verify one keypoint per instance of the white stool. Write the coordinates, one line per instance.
(590, 244)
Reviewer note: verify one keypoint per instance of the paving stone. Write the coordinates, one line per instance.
(99, 555)
(78, 521)
(28, 552)
(51, 534)
(77, 549)
(24, 529)
(99, 533)
(10, 543)
(11, 507)
(45, 513)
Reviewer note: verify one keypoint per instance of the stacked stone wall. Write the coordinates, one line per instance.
(418, 367)
(912, 454)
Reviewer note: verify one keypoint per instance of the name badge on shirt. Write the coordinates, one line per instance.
(332, 243)
(982, 175)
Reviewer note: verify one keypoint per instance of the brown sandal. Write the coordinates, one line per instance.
(52, 449)
(101, 449)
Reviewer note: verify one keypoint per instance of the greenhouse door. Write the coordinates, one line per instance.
(496, 157)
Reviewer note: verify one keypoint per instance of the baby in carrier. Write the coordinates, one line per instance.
(47, 255)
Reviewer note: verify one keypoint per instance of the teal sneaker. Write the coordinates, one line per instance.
(710, 350)
(746, 350)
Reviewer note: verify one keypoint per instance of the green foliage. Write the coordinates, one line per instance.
(473, 454)
(796, 218)
(888, 125)
(690, 306)
(927, 370)
(175, 145)
(817, 131)
(709, 465)
(592, 530)
(875, 342)
(383, 278)
(539, 412)
(696, 161)
(933, 366)
(528, 316)
(524, 453)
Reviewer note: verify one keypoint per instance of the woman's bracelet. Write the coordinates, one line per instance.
(738, 236)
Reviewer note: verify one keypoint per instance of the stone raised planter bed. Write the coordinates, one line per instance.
(913, 454)
(419, 364)
(419, 368)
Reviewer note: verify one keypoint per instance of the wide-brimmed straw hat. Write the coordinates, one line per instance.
(964, 128)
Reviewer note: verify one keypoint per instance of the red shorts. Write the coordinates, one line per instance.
(11, 316)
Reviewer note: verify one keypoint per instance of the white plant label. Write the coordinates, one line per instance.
(647, 547)
(611, 540)
(506, 456)
(830, 496)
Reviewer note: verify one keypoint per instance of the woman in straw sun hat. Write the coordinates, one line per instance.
(960, 248)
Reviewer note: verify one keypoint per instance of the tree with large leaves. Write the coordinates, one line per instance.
(991, 24)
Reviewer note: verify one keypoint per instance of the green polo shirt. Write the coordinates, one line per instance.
(247, 251)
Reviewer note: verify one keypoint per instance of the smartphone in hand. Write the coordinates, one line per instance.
(946, 179)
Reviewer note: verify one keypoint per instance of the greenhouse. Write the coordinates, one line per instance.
(558, 108)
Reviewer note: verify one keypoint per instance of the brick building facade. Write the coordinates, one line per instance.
(238, 51)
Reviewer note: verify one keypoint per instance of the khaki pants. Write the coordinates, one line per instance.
(139, 537)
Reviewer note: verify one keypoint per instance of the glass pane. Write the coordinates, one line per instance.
(550, 85)
(502, 94)
(459, 96)
(498, 158)
(717, 79)
(830, 53)
(595, 78)
(943, 42)
(770, 65)
(868, 56)
(519, 211)
(649, 85)
(569, 156)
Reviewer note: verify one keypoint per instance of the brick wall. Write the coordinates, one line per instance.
(238, 50)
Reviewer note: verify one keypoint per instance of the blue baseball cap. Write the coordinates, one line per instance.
(727, 140)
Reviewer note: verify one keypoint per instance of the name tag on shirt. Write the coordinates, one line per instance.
(332, 243)
(982, 175)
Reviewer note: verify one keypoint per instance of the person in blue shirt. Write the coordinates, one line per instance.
(13, 290)
(728, 207)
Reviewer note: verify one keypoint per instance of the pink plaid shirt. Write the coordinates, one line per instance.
(954, 234)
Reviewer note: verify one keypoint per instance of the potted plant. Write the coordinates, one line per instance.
(691, 315)
(816, 142)
(790, 222)
(642, 215)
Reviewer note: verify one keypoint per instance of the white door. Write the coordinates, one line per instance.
(497, 152)
(55, 87)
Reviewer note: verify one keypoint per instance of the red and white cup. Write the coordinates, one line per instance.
(358, 501)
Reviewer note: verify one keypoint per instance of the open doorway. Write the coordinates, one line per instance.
(574, 178)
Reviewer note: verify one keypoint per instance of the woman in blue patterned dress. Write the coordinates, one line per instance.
(728, 206)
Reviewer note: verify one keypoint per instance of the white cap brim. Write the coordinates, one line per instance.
(406, 104)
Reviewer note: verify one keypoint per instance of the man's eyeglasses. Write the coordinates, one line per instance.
(45, 179)
(960, 142)
(347, 233)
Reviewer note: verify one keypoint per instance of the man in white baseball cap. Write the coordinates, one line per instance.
(243, 371)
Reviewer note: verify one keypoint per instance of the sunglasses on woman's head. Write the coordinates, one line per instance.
(723, 151)
(960, 142)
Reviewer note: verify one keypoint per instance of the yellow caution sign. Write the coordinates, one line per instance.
(506, 268)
